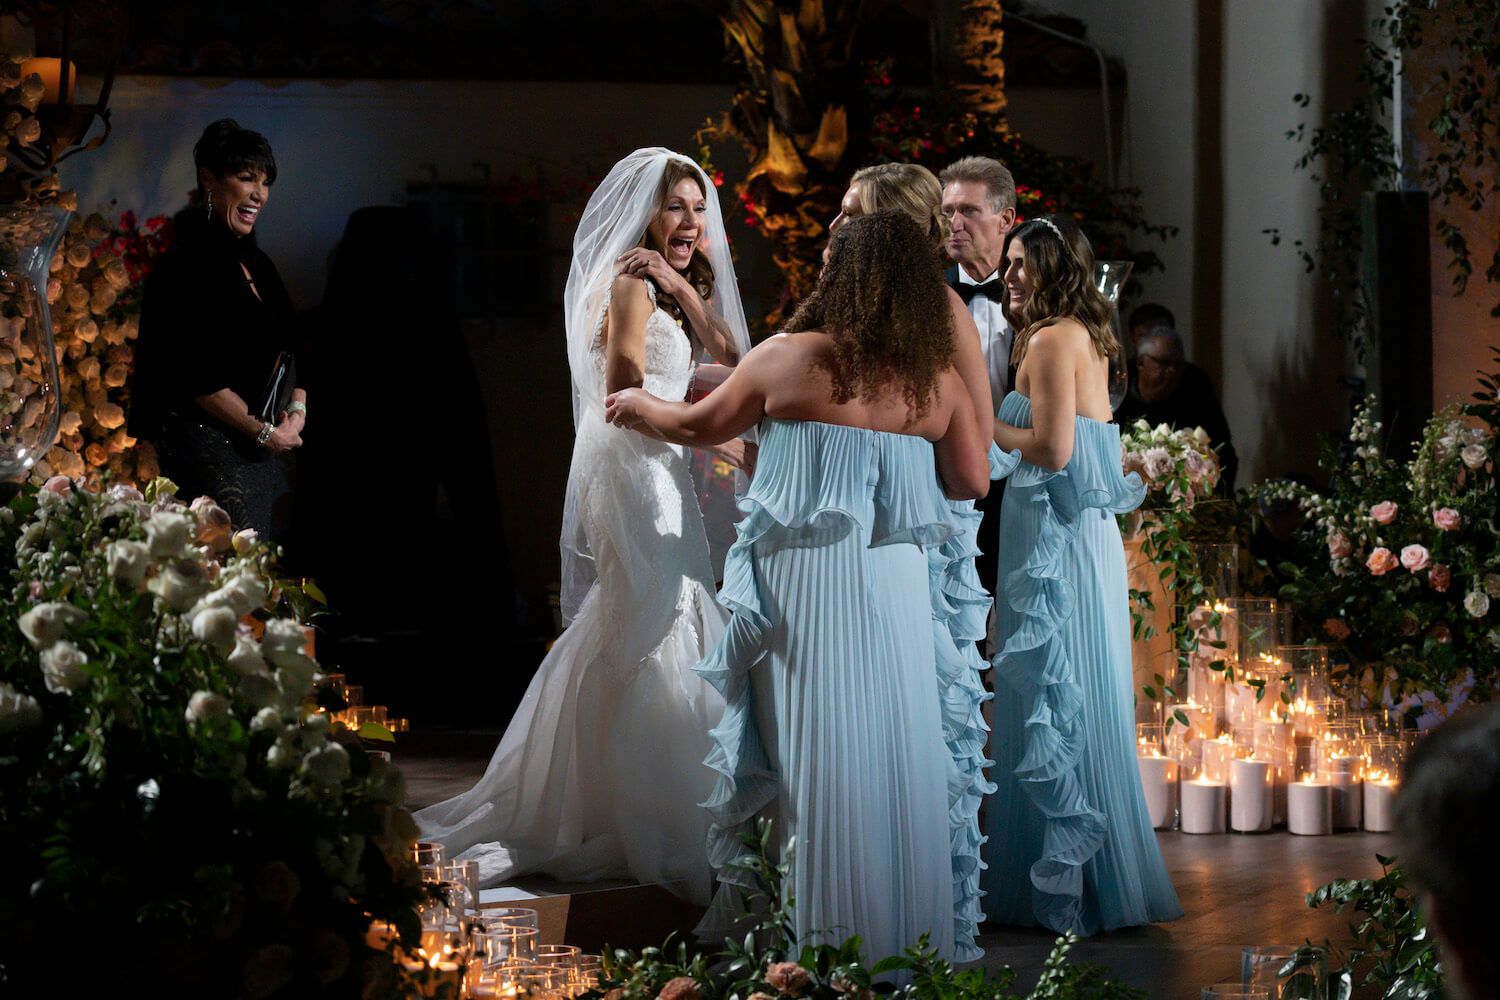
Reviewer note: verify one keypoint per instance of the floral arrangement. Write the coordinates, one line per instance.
(95, 294)
(767, 963)
(1179, 467)
(1401, 560)
(169, 786)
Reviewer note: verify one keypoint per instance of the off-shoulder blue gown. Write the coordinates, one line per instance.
(1070, 845)
(850, 718)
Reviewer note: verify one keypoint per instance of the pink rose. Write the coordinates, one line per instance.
(1336, 628)
(1447, 518)
(681, 988)
(1383, 512)
(1439, 576)
(787, 977)
(1339, 546)
(1381, 561)
(61, 485)
(1415, 558)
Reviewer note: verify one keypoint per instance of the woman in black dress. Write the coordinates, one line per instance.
(214, 322)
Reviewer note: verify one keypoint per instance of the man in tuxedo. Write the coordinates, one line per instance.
(979, 199)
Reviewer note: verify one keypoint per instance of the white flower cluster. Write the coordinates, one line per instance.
(1178, 463)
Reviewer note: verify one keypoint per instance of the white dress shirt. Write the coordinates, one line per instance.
(995, 336)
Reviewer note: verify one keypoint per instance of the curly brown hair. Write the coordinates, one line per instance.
(699, 273)
(1059, 260)
(882, 300)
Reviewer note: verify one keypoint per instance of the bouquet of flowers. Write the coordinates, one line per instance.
(1179, 467)
(168, 785)
(1402, 559)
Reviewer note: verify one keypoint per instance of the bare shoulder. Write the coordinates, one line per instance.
(1065, 338)
(628, 289)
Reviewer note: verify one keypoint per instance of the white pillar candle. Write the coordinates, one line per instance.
(1309, 808)
(1252, 798)
(1380, 806)
(1159, 782)
(1348, 799)
(1203, 806)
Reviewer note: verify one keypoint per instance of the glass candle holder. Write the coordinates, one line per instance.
(1262, 626)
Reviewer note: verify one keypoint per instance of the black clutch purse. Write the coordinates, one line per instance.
(278, 392)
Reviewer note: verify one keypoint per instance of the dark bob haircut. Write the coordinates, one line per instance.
(225, 148)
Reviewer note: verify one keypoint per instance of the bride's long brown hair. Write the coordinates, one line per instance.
(699, 273)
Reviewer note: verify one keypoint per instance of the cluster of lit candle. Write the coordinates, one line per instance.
(358, 713)
(469, 951)
(1263, 739)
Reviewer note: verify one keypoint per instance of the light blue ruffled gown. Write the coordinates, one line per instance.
(1070, 845)
(851, 717)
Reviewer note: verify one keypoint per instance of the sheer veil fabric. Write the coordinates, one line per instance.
(614, 221)
(600, 773)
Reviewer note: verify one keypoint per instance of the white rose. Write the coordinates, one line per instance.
(241, 590)
(206, 705)
(1473, 455)
(246, 658)
(17, 711)
(46, 623)
(327, 764)
(62, 667)
(128, 562)
(283, 754)
(168, 533)
(1201, 436)
(268, 719)
(260, 690)
(180, 583)
(282, 643)
(216, 626)
(1158, 462)
(1477, 604)
(244, 539)
(295, 680)
(124, 493)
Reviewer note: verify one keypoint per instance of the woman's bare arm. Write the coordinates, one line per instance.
(1052, 370)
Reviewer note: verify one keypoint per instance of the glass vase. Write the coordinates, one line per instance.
(1109, 278)
(30, 401)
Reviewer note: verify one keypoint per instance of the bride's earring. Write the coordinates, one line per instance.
(208, 204)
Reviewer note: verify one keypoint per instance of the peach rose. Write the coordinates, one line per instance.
(1383, 512)
(1339, 546)
(1336, 628)
(1446, 518)
(1381, 561)
(681, 988)
(787, 977)
(1415, 558)
(1440, 576)
(61, 485)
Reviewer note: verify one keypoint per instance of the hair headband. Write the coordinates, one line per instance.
(1053, 226)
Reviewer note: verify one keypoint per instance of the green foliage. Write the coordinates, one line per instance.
(1426, 629)
(1391, 948)
(768, 963)
(1356, 152)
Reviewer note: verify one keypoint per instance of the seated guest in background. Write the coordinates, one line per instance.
(1166, 389)
(1148, 316)
(1446, 816)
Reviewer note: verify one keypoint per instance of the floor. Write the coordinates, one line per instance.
(1238, 890)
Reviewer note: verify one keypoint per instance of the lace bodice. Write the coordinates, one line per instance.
(668, 363)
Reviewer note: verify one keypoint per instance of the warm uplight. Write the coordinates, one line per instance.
(49, 68)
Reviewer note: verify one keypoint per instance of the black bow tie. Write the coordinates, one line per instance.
(992, 290)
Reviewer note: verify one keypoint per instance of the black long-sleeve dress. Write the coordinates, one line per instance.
(203, 328)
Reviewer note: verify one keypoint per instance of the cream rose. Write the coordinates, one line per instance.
(46, 623)
(1477, 604)
(215, 626)
(180, 583)
(1383, 512)
(62, 667)
(206, 705)
(1415, 558)
(1339, 546)
(128, 562)
(1473, 455)
(168, 533)
(327, 764)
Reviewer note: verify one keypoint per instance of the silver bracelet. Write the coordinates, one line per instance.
(297, 406)
(264, 435)
(692, 382)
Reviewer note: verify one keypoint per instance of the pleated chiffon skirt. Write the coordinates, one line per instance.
(1070, 845)
(837, 712)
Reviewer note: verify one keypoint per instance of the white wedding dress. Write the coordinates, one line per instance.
(600, 773)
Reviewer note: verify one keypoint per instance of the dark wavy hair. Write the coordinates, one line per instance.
(1060, 263)
(882, 299)
(225, 148)
(699, 273)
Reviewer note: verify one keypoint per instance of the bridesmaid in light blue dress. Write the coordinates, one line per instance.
(834, 721)
(1070, 844)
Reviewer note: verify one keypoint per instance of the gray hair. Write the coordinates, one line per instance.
(1166, 333)
(997, 181)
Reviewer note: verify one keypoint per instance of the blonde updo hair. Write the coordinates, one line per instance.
(908, 188)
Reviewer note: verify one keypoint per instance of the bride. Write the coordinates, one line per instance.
(601, 770)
